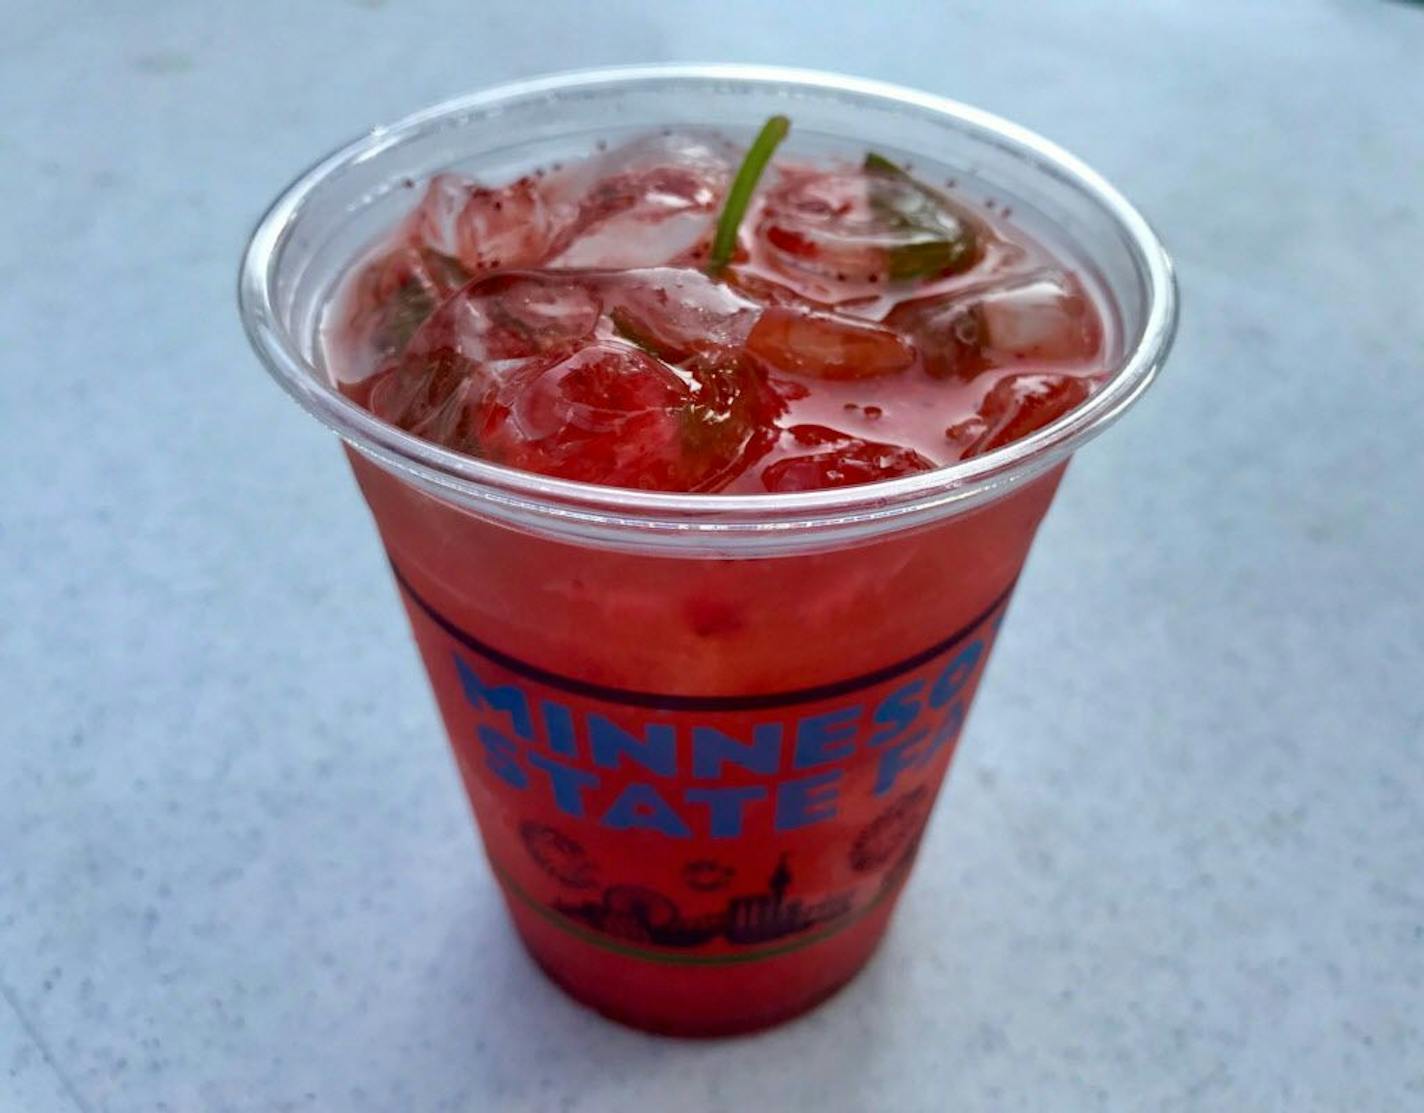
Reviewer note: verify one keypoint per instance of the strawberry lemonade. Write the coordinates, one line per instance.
(702, 726)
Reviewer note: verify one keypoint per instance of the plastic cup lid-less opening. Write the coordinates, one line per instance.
(315, 229)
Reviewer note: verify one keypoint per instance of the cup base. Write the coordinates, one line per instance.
(693, 998)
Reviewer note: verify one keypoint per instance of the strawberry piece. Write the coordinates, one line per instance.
(827, 458)
(1018, 405)
(791, 341)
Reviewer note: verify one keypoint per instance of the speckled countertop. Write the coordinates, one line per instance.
(1180, 863)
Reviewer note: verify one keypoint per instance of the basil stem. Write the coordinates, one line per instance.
(739, 196)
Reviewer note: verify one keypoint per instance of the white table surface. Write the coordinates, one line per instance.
(1180, 862)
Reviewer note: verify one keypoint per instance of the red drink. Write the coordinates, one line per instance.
(702, 748)
(864, 325)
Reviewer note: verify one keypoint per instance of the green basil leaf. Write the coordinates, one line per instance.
(938, 240)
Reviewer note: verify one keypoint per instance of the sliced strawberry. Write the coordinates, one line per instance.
(818, 345)
(1018, 405)
(949, 333)
(827, 458)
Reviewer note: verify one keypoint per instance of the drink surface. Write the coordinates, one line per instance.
(578, 323)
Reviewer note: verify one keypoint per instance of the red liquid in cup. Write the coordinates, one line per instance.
(701, 781)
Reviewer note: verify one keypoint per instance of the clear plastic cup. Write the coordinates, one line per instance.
(701, 734)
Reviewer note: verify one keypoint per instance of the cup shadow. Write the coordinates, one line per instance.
(503, 1034)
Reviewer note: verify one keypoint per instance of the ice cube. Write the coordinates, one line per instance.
(529, 368)
(1044, 318)
(610, 413)
(426, 394)
(516, 225)
(473, 341)
(515, 315)
(852, 230)
(648, 203)
(675, 312)
(384, 303)
(1040, 319)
